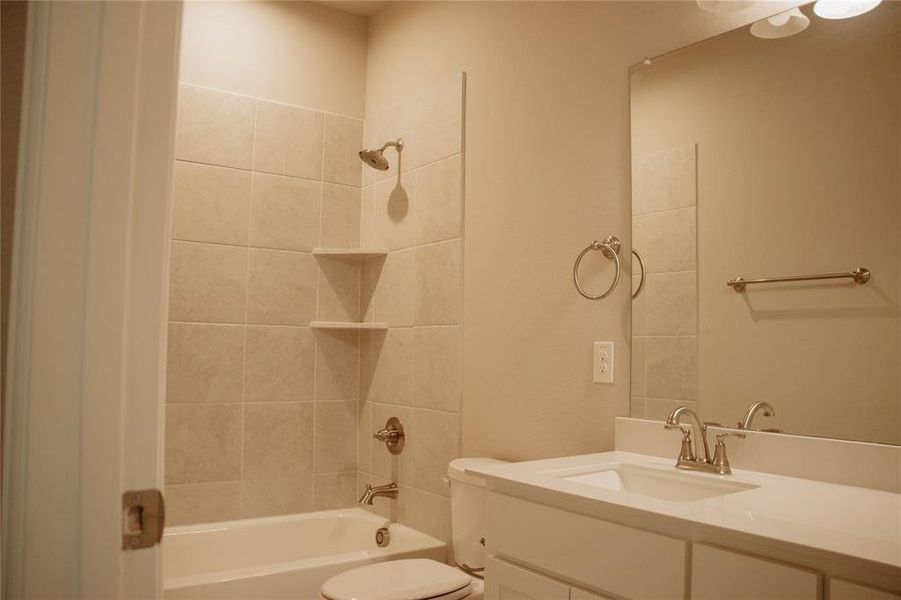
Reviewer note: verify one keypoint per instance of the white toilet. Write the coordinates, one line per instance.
(420, 578)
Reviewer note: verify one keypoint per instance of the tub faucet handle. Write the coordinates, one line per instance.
(392, 435)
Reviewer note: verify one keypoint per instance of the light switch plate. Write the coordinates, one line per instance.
(602, 362)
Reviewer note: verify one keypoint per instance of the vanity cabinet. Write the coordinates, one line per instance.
(506, 581)
(717, 573)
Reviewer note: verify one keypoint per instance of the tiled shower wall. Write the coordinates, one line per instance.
(665, 313)
(265, 415)
(414, 369)
(261, 413)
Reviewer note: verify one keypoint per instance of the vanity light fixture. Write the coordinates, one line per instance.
(843, 9)
(782, 25)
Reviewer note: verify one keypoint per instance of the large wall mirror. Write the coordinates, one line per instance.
(772, 158)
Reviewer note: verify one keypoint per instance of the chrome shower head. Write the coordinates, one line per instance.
(375, 158)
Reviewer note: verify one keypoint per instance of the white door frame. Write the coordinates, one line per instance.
(86, 372)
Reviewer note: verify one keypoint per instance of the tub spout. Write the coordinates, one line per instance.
(388, 490)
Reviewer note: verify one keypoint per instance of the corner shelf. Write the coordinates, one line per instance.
(348, 325)
(358, 253)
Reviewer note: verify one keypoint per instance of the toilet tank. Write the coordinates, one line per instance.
(468, 510)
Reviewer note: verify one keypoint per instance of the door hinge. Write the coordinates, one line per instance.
(143, 518)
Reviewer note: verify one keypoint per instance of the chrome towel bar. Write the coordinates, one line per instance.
(860, 275)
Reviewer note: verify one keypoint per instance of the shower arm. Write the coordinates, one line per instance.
(399, 144)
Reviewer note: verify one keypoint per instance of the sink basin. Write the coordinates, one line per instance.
(665, 485)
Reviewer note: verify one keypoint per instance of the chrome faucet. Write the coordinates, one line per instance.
(389, 490)
(766, 407)
(690, 458)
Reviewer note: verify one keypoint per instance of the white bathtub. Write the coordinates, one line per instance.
(280, 557)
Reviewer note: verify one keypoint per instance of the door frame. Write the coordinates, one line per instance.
(89, 294)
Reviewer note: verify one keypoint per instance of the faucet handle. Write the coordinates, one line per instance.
(720, 460)
(686, 452)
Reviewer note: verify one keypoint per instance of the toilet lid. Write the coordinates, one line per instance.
(411, 579)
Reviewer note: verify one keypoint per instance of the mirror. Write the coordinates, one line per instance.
(770, 158)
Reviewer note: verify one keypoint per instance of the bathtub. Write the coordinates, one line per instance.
(280, 557)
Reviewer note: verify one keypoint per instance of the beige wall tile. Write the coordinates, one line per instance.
(393, 467)
(204, 363)
(203, 503)
(394, 211)
(437, 439)
(343, 140)
(638, 309)
(370, 274)
(279, 364)
(370, 140)
(667, 240)
(672, 303)
(395, 289)
(371, 235)
(386, 366)
(278, 440)
(211, 204)
(426, 512)
(439, 200)
(203, 443)
(437, 368)
(288, 141)
(664, 180)
(337, 365)
(335, 490)
(639, 381)
(214, 127)
(335, 439)
(340, 216)
(438, 284)
(281, 287)
(440, 121)
(339, 289)
(672, 367)
(660, 408)
(285, 212)
(364, 436)
(207, 283)
(266, 497)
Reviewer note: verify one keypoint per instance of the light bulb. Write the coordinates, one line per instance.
(843, 9)
(782, 25)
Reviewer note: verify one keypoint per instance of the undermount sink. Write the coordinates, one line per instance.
(673, 486)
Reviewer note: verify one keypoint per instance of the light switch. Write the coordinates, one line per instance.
(603, 362)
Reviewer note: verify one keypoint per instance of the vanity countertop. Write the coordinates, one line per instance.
(840, 523)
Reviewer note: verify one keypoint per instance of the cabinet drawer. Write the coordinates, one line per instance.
(504, 581)
(718, 574)
(845, 590)
(580, 549)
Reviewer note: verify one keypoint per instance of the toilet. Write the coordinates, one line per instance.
(424, 579)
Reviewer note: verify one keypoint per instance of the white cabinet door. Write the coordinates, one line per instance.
(504, 581)
(845, 590)
(718, 574)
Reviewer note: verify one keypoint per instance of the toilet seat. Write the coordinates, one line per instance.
(409, 579)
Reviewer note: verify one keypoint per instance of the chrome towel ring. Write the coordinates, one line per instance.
(610, 248)
(641, 266)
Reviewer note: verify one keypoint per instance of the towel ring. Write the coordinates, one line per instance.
(610, 248)
(641, 266)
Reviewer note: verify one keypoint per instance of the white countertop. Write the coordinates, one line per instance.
(806, 515)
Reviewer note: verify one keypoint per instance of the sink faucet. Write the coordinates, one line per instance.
(766, 407)
(389, 490)
(690, 459)
(672, 422)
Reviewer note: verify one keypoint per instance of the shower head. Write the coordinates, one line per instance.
(375, 158)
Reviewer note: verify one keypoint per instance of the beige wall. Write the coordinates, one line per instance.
(547, 171)
(295, 52)
(798, 156)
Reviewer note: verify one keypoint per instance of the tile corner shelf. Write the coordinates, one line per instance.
(360, 253)
(347, 325)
